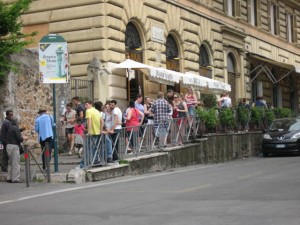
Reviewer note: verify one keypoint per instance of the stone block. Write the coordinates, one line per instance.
(76, 176)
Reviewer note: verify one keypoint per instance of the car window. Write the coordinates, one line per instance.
(294, 127)
(285, 125)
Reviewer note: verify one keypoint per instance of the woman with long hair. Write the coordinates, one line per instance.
(70, 120)
(191, 100)
(180, 112)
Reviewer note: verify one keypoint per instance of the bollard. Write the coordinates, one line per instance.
(27, 166)
(47, 160)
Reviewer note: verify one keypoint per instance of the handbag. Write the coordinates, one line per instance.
(145, 121)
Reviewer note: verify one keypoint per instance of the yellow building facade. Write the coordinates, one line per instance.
(253, 45)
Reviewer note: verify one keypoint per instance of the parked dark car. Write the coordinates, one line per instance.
(283, 136)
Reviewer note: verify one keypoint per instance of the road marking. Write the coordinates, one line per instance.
(195, 188)
(249, 175)
(108, 183)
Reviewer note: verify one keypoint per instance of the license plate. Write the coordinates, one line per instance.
(280, 146)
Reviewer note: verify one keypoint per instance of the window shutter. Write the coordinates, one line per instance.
(258, 14)
(277, 25)
(237, 8)
(295, 34)
(225, 7)
(249, 10)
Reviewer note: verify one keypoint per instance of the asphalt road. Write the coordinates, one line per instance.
(255, 191)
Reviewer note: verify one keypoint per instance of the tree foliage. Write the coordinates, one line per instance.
(12, 39)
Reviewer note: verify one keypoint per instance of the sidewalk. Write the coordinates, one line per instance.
(206, 150)
(65, 164)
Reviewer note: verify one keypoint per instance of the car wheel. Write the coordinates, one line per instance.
(265, 154)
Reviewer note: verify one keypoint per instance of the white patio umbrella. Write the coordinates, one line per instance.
(160, 75)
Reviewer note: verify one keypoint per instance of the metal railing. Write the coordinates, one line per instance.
(138, 140)
(30, 172)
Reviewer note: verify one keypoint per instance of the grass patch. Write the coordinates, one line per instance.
(123, 161)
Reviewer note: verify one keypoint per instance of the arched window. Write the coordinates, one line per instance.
(132, 37)
(204, 62)
(204, 57)
(172, 51)
(134, 51)
(172, 55)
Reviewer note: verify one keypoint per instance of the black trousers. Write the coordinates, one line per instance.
(43, 143)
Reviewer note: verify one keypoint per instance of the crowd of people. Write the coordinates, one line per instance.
(225, 102)
(95, 119)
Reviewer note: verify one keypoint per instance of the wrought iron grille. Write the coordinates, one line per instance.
(82, 88)
(132, 37)
(171, 48)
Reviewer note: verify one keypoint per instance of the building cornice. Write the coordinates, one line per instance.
(222, 19)
(293, 3)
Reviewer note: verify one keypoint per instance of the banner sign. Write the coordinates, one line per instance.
(53, 59)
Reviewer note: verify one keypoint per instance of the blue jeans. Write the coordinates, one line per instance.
(106, 145)
(191, 110)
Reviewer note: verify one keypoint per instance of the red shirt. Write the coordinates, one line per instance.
(134, 120)
(79, 129)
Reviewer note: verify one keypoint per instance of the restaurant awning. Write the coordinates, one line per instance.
(204, 83)
(165, 76)
(160, 75)
(262, 68)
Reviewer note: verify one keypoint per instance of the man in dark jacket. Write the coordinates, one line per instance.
(3, 137)
(14, 139)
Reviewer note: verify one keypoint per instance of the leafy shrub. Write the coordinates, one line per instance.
(226, 117)
(269, 115)
(257, 115)
(209, 100)
(242, 114)
(283, 112)
(209, 118)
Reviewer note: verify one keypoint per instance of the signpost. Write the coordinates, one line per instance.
(54, 68)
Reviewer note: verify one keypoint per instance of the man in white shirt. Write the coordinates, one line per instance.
(116, 128)
(225, 101)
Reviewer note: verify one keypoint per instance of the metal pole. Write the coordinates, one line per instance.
(47, 159)
(54, 132)
(27, 163)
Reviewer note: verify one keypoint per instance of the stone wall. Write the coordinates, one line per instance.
(23, 93)
(208, 150)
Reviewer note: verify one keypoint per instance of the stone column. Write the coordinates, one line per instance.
(98, 74)
(242, 81)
